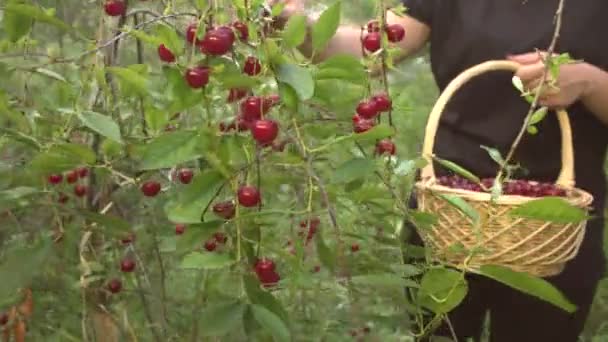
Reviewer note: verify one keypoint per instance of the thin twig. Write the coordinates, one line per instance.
(556, 33)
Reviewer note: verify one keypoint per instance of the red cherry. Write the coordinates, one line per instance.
(82, 172)
(248, 196)
(150, 188)
(115, 8)
(395, 33)
(271, 100)
(55, 179)
(242, 29)
(115, 285)
(197, 77)
(224, 210)
(236, 94)
(80, 190)
(165, 54)
(242, 124)
(210, 245)
(191, 34)
(3, 318)
(385, 146)
(252, 66)
(373, 26)
(265, 131)
(72, 176)
(383, 102)
(372, 41)
(228, 32)
(127, 265)
(264, 266)
(354, 247)
(185, 176)
(367, 109)
(180, 228)
(363, 125)
(252, 108)
(217, 41)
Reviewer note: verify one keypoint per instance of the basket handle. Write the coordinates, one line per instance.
(566, 176)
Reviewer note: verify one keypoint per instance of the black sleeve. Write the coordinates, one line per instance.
(421, 10)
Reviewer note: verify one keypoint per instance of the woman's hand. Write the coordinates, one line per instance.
(573, 82)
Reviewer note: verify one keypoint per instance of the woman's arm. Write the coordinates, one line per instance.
(347, 38)
(596, 96)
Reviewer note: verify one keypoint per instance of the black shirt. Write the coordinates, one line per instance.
(488, 110)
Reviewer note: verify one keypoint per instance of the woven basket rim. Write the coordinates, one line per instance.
(576, 196)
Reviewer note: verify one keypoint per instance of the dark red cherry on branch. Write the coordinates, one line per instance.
(372, 42)
(180, 228)
(354, 247)
(80, 190)
(185, 176)
(114, 286)
(72, 177)
(224, 209)
(150, 188)
(383, 102)
(248, 196)
(367, 109)
(217, 42)
(252, 66)
(385, 146)
(252, 108)
(210, 245)
(3, 318)
(264, 131)
(165, 54)
(191, 34)
(128, 239)
(220, 237)
(127, 265)
(55, 178)
(115, 8)
(395, 33)
(62, 198)
(197, 77)
(242, 29)
(82, 172)
(229, 32)
(264, 266)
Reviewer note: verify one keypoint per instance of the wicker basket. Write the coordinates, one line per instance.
(537, 247)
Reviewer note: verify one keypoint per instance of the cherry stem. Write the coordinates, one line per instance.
(383, 56)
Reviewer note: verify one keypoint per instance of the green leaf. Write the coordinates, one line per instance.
(102, 124)
(494, 154)
(17, 193)
(113, 223)
(229, 80)
(531, 129)
(62, 157)
(551, 209)
(294, 33)
(538, 115)
(20, 266)
(353, 169)
(326, 255)
(171, 149)
(132, 79)
(221, 318)
(299, 78)
(196, 234)
(457, 169)
(462, 206)
(383, 280)
(258, 296)
(326, 26)
(342, 67)
(16, 25)
(529, 284)
(377, 132)
(180, 95)
(190, 203)
(206, 261)
(170, 39)
(50, 74)
(37, 14)
(517, 83)
(442, 290)
(423, 220)
(271, 322)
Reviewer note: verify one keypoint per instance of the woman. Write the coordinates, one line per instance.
(488, 111)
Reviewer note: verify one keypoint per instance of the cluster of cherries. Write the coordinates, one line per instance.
(520, 187)
(151, 188)
(70, 177)
(365, 118)
(372, 41)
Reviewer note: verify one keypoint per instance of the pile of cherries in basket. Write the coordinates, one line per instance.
(520, 187)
